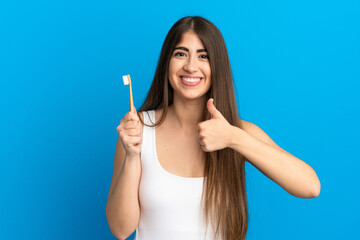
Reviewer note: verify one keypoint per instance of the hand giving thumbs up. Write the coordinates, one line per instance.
(214, 134)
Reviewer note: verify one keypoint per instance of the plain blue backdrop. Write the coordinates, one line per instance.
(296, 71)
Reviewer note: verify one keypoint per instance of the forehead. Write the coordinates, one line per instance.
(190, 39)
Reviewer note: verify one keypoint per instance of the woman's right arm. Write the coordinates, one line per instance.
(122, 207)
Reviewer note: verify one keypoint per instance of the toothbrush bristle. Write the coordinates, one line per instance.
(126, 80)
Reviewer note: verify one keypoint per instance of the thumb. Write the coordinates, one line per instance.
(212, 109)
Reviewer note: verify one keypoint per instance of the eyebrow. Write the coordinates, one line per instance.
(187, 50)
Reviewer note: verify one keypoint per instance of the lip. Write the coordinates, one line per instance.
(191, 84)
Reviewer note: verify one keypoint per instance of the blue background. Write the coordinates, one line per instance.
(296, 70)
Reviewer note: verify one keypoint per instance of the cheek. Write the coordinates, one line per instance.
(174, 66)
(171, 68)
(207, 69)
(208, 75)
(172, 71)
(208, 72)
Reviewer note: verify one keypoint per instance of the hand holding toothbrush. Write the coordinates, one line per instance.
(130, 128)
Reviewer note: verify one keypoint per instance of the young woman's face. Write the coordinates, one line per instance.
(189, 69)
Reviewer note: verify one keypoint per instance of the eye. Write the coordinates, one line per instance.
(179, 54)
(204, 56)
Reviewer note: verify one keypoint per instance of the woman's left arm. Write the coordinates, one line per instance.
(291, 173)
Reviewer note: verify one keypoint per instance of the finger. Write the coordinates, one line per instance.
(132, 132)
(203, 148)
(202, 133)
(214, 112)
(131, 116)
(203, 125)
(128, 117)
(201, 141)
(131, 125)
(132, 140)
(118, 129)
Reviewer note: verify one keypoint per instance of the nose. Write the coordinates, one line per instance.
(191, 65)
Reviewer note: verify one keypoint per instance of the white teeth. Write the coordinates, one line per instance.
(191, 79)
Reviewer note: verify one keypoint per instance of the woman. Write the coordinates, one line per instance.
(179, 162)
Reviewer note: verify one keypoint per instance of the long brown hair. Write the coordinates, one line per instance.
(224, 199)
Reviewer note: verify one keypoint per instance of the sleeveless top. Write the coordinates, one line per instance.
(170, 205)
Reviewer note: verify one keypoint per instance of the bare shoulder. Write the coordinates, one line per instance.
(255, 131)
(248, 126)
(158, 115)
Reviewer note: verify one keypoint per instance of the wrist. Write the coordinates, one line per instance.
(236, 135)
(132, 156)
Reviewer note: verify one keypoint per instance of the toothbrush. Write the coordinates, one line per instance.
(127, 81)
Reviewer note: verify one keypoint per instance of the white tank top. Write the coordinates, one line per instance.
(169, 204)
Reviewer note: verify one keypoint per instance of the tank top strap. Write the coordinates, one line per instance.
(149, 117)
(148, 155)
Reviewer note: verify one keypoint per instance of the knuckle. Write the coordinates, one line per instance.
(121, 134)
(134, 116)
(129, 125)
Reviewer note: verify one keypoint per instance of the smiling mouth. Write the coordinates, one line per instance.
(191, 80)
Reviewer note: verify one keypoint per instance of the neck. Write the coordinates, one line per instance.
(186, 114)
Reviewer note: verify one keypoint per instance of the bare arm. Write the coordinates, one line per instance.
(291, 173)
(122, 207)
